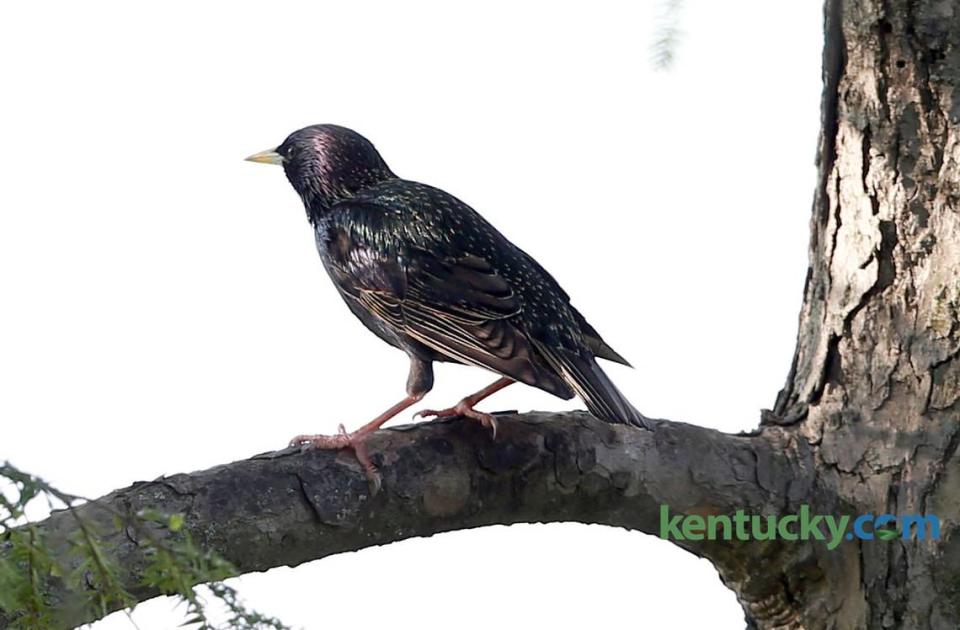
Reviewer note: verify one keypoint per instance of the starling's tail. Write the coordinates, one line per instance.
(601, 396)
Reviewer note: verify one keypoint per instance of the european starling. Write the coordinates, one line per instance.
(430, 276)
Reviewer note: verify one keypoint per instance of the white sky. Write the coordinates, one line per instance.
(164, 309)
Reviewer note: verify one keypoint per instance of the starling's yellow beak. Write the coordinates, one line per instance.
(270, 156)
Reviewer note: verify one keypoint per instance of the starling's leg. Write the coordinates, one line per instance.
(465, 406)
(419, 383)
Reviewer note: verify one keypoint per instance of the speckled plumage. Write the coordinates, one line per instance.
(429, 275)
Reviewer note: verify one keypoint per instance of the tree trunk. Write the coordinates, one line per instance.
(868, 421)
(875, 383)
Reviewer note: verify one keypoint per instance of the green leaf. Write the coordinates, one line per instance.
(176, 522)
(174, 563)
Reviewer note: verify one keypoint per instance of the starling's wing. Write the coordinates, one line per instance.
(595, 342)
(591, 383)
(591, 337)
(461, 308)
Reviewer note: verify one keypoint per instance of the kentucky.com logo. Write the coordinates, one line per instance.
(800, 526)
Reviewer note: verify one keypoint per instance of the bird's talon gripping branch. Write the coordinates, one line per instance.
(465, 410)
(307, 442)
(373, 475)
(490, 422)
(355, 440)
(436, 414)
(342, 440)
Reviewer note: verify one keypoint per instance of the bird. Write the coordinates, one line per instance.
(430, 276)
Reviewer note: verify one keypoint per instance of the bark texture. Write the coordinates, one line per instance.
(287, 507)
(868, 420)
(875, 382)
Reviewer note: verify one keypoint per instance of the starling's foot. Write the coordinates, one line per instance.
(462, 408)
(343, 440)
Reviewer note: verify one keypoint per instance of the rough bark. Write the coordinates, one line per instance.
(875, 384)
(288, 507)
(868, 421)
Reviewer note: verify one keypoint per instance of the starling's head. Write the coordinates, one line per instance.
(327, 163)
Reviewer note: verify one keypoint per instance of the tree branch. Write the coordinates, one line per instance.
(288, 507)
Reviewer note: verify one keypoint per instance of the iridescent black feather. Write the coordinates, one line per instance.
(429, 275)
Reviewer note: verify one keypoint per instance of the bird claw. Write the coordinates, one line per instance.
(437, 414)
(491, 423)
(343, 440)
(462, 409)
